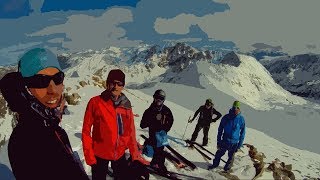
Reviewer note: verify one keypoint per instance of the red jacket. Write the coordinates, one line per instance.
(111, 134)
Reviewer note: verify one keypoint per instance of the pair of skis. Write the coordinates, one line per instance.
(194, 144)
(178, 155)
(177, 159)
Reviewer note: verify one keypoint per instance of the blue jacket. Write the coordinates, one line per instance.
(231, 129)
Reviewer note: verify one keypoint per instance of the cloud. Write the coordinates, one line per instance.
(291, 24)
(264, 46)
(89, 32)
(311, 46)
(36, 5)
(148, 11)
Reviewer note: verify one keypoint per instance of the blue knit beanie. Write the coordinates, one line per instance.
(36, 60)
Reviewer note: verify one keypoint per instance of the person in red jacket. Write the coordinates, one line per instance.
(113, 131)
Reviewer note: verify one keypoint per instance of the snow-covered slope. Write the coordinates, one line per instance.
(299, 74)
(304, 163)
(273, 116)
(239, 76)
(6, 119)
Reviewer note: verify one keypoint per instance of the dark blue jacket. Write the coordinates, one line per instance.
(231, 129)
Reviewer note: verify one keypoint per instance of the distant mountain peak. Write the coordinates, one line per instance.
(231, 59)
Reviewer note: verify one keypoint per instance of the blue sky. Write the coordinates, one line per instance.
(288, 26)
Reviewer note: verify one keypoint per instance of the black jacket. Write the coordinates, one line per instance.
(38, 148)
(163, 122)
(206, 115)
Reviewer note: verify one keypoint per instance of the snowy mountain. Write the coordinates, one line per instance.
(273, 115)
(7, 121)
(299, 74)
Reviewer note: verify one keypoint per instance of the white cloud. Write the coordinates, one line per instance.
(89, 32)
(291, 24)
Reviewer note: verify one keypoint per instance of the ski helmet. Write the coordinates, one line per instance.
(160, 94)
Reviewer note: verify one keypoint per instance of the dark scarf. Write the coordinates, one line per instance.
(122, 100)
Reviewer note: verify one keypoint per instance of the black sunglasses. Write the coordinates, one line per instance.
(160, 98)
(119, 83)
(43, 81)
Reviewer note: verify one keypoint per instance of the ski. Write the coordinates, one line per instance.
(202, 153)
(178, 155)
(167, 174)
(169, 156)
(203, 148)
(173, 175)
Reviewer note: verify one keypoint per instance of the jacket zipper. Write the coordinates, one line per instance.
(115, 150)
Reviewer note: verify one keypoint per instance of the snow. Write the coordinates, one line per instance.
(304, 161)
(279, 124)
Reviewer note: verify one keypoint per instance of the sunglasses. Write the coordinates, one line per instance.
(119, 83)
(43, 81)
(159, 97)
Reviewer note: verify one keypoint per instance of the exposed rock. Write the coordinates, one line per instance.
(75, 74)
(231, 59)
(73, 99)
(257, 159)
(281, 171)
(68, 89)
(98, 81)
(83, 83)
(299, 74)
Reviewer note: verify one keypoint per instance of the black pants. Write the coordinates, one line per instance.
(119, 167)
(158, 157)
(205, 133)
(232, 149)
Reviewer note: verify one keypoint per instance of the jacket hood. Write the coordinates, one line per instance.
(231, 113)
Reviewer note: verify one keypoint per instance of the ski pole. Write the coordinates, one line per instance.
(186, 128)
(135, 95)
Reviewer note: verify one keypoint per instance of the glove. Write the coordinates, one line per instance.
(218, 145)
(213, 120)
(141, 160)
(93, 165)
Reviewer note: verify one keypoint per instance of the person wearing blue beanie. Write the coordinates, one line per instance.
(38, 147)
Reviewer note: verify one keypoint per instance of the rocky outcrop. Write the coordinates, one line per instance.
(281, 170)
(73, 99)
(299, 74)
(83, 83)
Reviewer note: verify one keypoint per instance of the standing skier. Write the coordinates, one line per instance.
(230, 137)
(158, 117)
(113, 131)
(206, 112)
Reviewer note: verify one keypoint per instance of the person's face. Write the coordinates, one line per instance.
(158, 100)
(115, 87)
(208, 106)
(236, 111)
(51, 94)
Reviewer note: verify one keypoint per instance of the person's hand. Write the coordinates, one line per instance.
(218, 146)
(143, 161)
(190, 120)
(93, 165)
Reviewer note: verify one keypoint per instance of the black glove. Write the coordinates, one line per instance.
(218, 146)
